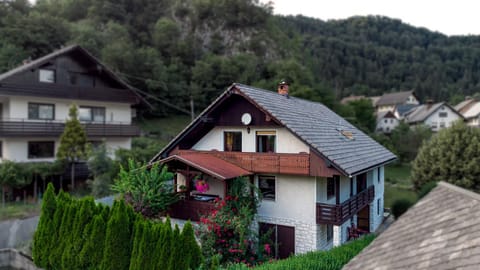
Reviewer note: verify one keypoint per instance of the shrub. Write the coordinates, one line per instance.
(42, 238)
(400, 206)
(192, 253)
(425, 189)
(91, 256)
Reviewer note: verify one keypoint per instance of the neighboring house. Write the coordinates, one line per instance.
(386, 122)
(465, 105)
(387, 102)
(351, 98)
(471, 112)
(441, 231)
(402, 110)
(317, 172)
(437, 116)
(35, 99)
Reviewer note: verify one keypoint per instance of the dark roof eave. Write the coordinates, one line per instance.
(374, 166)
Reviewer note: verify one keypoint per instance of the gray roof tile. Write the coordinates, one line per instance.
(394, 98)
(440, 232)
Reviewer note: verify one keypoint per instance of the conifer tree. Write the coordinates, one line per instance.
(42, 240)
(173, 261)
(193, 254)
(137, 239)
(117, 249)
(165, 243)
(92, 251)
(73, 142)
(55, 257)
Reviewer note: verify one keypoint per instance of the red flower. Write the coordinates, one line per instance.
(267, 248)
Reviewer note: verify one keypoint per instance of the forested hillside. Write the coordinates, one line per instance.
(178, 50)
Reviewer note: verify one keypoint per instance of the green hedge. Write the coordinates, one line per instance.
(79, 234)
(333, 259)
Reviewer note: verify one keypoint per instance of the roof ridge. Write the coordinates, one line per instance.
(469, 193)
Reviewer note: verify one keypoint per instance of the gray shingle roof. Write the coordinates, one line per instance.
(422, 112)
(442, 231)
(394, 98)
(404, 109)
(320, 127)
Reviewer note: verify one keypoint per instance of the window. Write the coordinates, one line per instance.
(82, 79)
(391, 121)
(329, 232)
(41, 111)
(266, 141)
(1, 149)
(378, 174)
(385, 121)
(378, 207)
(443, 114)
(433, 125)
(330, 188)
(266, 184)
(232, 141)
(46, 75)
(41, 149)
(91, 114)
(442, 124)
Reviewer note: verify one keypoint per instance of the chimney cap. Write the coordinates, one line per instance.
(283, 82)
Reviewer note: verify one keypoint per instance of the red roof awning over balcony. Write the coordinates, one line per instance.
(209, 164)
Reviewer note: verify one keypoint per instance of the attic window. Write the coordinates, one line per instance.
(347, 134)
(46, 75)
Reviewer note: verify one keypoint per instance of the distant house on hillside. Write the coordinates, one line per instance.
(386, 122)
(441, 231)
(351, 98)
(437, 116)
(317, 173)
(470, 109)
(389, 101)
(465, 105)
(36, 97)
(402, 110)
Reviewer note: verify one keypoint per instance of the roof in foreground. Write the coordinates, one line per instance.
(440, 232)
(394, 98)
(209, 164)
(322, 129)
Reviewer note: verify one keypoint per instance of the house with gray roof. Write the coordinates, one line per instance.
(470, 110)
(435, 115)
(389, 101)
(441, 231)
(316, 172)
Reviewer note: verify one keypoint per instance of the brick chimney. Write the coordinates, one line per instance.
(429, 103)
(283, 88)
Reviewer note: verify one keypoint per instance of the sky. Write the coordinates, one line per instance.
(457, 17)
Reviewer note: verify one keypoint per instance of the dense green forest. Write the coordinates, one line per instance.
(178, 50)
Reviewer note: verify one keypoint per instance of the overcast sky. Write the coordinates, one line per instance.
(454, 17)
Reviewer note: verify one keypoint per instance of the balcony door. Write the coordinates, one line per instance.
(363, 218)
(361, 182)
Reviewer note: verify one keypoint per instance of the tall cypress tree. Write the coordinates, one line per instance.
(135, 258)
(165, 243)
(73, 142)
(92, 252)
(173, 262)
(193, 255)
(116, 255)
(42, 240)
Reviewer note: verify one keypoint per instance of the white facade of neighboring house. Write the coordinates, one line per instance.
(437, 116)
(472, 114)
(388, 101)
(386, 122)
(298, 205)
(35, 100)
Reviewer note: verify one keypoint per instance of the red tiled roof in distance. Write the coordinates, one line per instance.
(209, 164)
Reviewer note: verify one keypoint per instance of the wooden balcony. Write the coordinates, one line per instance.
(46, 128)
(337, 214)
(278, 163)
(190, 209)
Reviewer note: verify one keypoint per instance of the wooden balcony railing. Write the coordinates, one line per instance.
(190, 209)
(47, 128)
(280, 163)
(337, 214)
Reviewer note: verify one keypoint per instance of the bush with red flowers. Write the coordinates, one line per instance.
(227, 232)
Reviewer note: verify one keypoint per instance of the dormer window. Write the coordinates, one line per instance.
(46, 75)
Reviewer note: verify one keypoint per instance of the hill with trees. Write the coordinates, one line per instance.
(180, 51)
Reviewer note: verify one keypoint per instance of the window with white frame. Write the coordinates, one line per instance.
(91, 114)
(267, 184)
(46, 75)
(39, 111)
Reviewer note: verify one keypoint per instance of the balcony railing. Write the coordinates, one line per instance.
(52, 128)
(190, 209)
(337, 214)
(280, 163)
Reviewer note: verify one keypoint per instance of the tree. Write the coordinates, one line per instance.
(73, 142)
(407, 140)
(11, 175)
(192, 255)
(91, 255)
(42, 241)
(101, 167)
(452, 155)
(364, 114)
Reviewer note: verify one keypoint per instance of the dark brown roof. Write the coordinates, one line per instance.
(394, 98)
(209, 164)
(441, 231)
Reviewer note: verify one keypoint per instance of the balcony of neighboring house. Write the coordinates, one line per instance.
(276, 163)
(337, 214)
(13, 127)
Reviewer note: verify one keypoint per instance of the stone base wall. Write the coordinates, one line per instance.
(305, 233)
(11, 258)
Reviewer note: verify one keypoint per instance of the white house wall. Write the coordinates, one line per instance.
(286, 141)
(17, 108)
(435, 118)
(391, 124)
(294, 206)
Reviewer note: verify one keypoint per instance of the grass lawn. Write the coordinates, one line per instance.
(19, 210)
(398, 184)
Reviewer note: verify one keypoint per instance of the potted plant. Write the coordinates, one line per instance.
(201, 185)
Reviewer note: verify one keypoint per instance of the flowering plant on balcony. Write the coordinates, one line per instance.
(201, 186)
